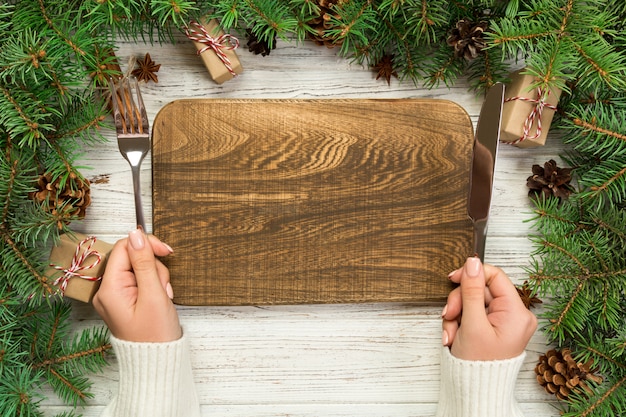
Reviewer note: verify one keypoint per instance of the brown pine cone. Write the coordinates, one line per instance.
(322, 22)
(550, 181)
(467, 38)
(257, 46)
(560, 374)
(65, 201)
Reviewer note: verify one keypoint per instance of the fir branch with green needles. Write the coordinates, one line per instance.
(53, 66)
(580, 257)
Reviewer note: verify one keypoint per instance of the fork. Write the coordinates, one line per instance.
(133, 136)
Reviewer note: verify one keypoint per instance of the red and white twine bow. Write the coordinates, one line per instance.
(535, 114)
(78, 264)
(197, 33)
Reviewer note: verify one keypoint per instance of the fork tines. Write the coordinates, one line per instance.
(133, 132)
(130, 118)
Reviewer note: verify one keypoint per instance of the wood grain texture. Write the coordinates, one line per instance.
(311, 201)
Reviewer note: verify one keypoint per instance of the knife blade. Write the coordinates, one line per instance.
(484, 155)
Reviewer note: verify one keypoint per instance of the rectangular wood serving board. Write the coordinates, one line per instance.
(291, 201)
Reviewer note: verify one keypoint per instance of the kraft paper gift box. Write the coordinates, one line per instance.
(221, 68)
(76, 265)
(523, 111)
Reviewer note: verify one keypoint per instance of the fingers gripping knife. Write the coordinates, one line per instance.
(483, 165)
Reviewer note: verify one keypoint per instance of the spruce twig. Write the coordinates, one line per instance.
(49, 112)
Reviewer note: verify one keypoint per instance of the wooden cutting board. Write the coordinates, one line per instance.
(311, 201)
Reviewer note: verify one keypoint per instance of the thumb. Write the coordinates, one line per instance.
(143, 263)
(473, 293)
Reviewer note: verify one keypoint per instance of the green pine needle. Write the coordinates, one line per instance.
(51, 72)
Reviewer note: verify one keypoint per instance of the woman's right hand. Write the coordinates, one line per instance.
(485, 319)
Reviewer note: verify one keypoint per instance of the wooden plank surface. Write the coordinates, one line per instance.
(252, 360)
(311, 201)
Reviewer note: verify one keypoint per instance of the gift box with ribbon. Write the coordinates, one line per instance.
(216, 49)
(76, 265)
(527, 112)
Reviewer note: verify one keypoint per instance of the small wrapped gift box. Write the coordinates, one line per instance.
(76, 265)
(527, 112)
(216, 49)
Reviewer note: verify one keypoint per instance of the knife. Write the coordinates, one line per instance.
(483, 165)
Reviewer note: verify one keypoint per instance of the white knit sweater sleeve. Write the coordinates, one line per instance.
(155, 380)
(477, 388)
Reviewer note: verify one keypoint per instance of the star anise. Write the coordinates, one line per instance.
(385, 68)
(527, 295)
(550, 181)
(147, 70)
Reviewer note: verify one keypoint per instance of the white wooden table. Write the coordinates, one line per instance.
(308, 360)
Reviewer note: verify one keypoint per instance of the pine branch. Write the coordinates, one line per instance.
(486, 70)
(444, 68)
(18, 391)
(70, 388)
(269, 19)
(64, 365)
(49, 49)
(23, 269)
(8, 192)
(87, 351)
(517, 36)
(174, 12)
(22, 116)
(609, 402)
(35, 224)
(432, 16)
(581, 268)
(604, 275)
(98, 351)
(600, 144)
(392, 41)
(563, 323)
(603, 358)
(60, 33)
(550, 215)
(609, 179)
(355, 20)
(603, 65)
(570, 31)
(611, 222)
(229, 13)
(593, 127)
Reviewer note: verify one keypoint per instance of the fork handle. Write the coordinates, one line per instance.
(137, 191)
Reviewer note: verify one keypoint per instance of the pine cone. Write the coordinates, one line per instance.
(550, 181)
(322, 22)
(467, 38)
(257, 46)
(65, 202)
(560, 374)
